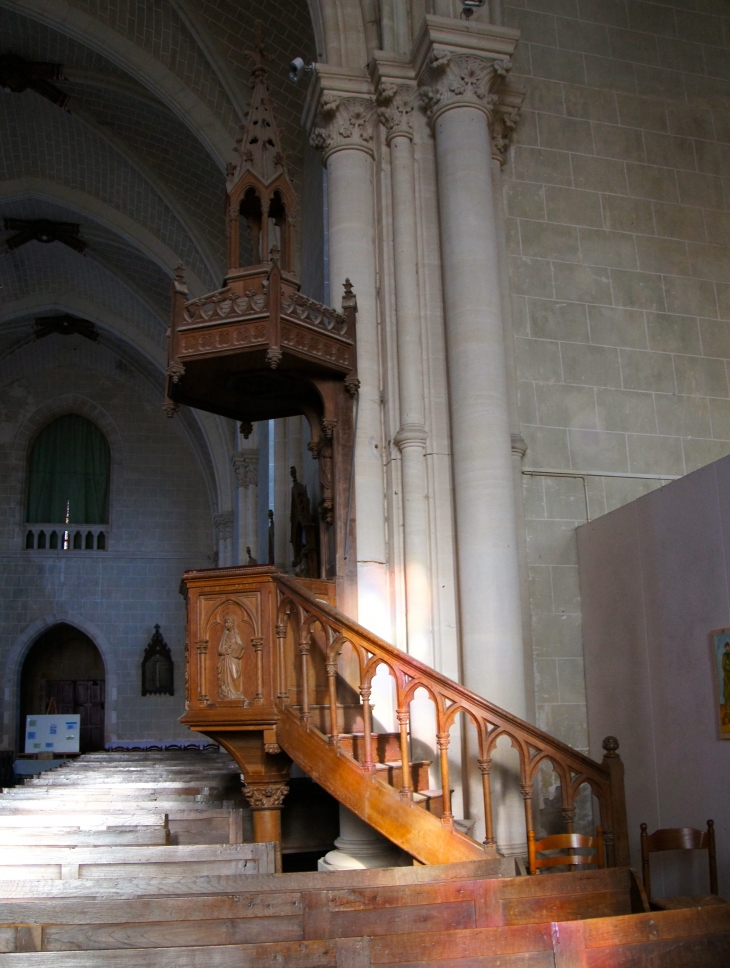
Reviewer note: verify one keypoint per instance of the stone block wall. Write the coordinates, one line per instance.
(160, 524)
(617, 193)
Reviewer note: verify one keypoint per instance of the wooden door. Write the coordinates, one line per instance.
(85, 697)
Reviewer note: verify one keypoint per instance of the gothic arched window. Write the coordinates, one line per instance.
(68, 474)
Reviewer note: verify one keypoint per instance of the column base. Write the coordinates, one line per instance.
(359, 847)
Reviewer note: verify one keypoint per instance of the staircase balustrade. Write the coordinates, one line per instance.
(306, 687)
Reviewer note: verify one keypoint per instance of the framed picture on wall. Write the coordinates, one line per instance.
(720, 646)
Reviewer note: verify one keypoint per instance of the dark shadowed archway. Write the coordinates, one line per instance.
(64, 664)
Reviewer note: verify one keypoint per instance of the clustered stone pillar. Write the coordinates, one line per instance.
(342, 115)
(461, 72)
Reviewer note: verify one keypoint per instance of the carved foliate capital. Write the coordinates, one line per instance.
(504, 122)
(246, 467)
(467, 65)
(223, 525)
(265, 796)
(344, 122)
(461, 80)
(395, 109)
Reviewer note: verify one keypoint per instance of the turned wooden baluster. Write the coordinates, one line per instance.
(406, 790)
(485, 768)
(526, 791)
(367, 728)
(332, 687)
(304, 643)
(280, 640)
(442, 739)
(258, 647)
(569, 818)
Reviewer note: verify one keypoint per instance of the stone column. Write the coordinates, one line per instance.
(224, 538)
(359, 846)
(462, 70)
(341, 115)
(246, 469)
(396, 103)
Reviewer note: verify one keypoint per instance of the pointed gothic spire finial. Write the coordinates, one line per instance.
(259, 145)
(258, 55)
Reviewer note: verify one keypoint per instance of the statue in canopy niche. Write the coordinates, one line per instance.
(230, 653)
(303, 536)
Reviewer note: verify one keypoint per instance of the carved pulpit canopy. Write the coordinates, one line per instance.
(259, 349)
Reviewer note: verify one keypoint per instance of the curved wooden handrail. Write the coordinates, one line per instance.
(450, 699)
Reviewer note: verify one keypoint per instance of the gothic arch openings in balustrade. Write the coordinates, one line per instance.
(333, 692)
(561, 800)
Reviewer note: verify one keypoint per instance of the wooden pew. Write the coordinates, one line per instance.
(180, 885)
(82, 819)
(695, 938)
(189, 822)
(148, 835)
(71, 863)
(130, 791)
(309, 909)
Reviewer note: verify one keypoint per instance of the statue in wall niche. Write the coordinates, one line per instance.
(230, 652)
(303, 535)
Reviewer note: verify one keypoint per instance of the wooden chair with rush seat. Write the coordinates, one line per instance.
(568, 846)
(680, 838)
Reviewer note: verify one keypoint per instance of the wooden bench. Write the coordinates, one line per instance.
(71, 863)
(189, 822)
(698, 938)
(182, 885)
(148, 835)
(130, 791)
(311, 909)
(82, 819)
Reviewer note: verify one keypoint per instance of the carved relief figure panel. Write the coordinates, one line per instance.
(231, 654)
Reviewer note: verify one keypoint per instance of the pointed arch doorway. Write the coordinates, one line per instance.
(65, 665)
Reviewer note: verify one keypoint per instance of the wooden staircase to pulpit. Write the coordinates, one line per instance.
(306, 673)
